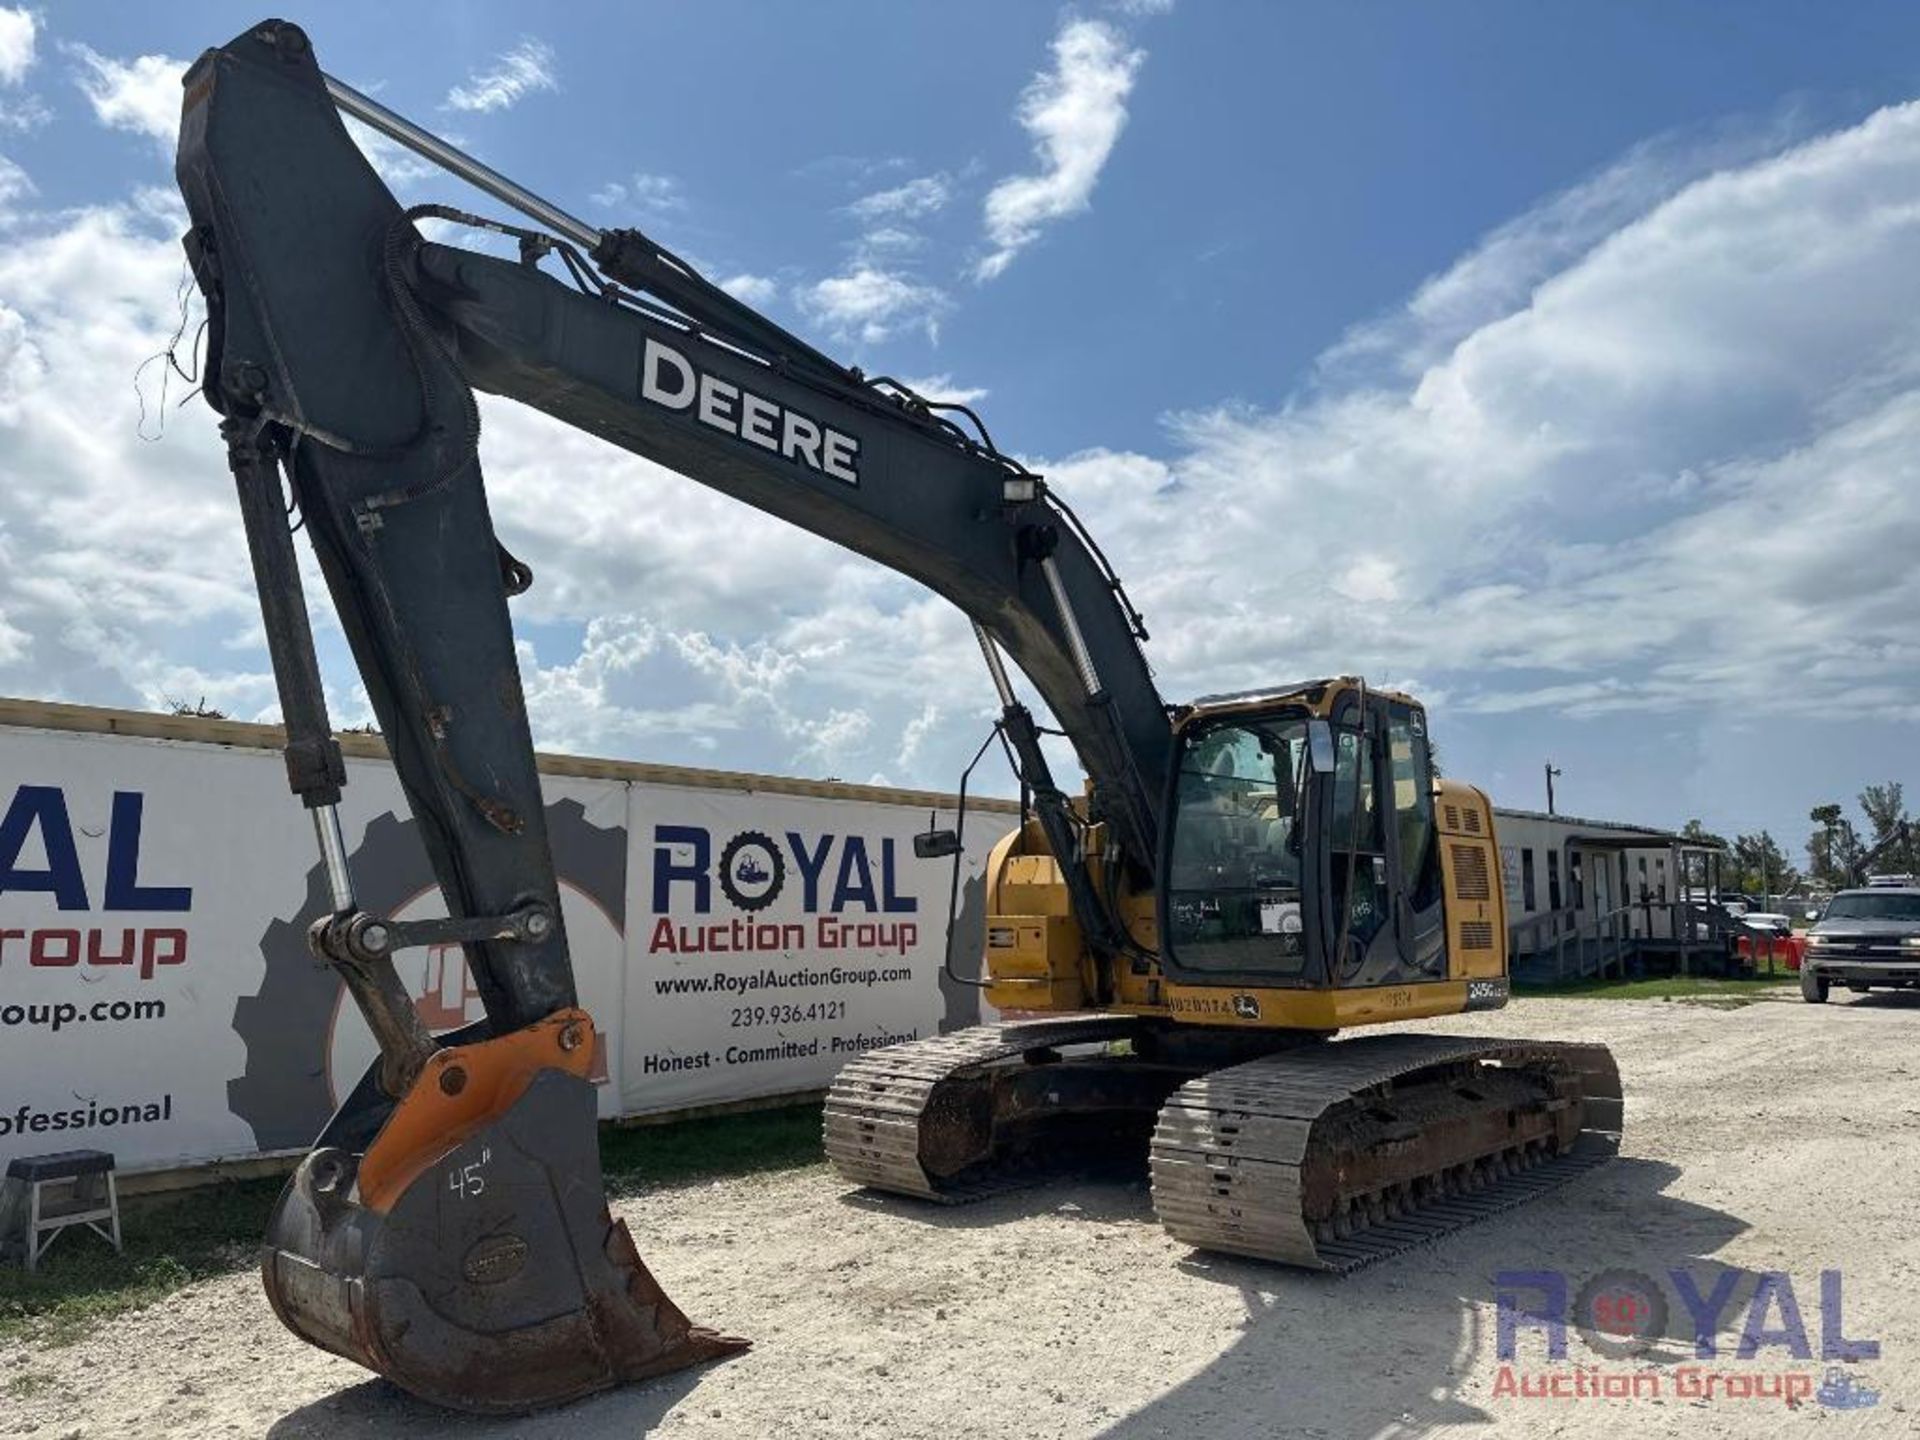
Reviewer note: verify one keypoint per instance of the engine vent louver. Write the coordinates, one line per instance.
(1476, 935)
(1470, 879)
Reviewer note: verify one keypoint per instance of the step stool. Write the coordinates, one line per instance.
(70, 1187)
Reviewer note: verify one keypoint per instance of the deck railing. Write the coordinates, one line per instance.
(1583, 945)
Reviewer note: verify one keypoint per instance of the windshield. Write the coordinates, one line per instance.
(1233, 889)
(1869, 906)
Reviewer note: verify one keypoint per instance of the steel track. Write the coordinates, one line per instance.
(1229, 1149)
(881, 1104)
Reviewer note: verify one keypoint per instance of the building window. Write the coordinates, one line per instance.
(1526, 880)
(1553, 879)
(1577, 880)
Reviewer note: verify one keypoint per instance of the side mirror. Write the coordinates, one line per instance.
(936, 844)
(1320, 745)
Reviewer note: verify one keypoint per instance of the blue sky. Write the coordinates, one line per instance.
(1555, 361)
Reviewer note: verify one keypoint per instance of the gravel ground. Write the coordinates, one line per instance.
(1776, 1137)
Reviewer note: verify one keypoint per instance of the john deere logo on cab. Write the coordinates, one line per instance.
(843, 884)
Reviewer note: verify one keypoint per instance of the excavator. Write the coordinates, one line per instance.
(1172, 947)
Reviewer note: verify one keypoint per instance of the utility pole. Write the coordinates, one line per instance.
(1552, 770)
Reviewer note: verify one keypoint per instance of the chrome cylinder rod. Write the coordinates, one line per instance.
(484, 177)
(333, 855)
(1070, 623)
(996, 667)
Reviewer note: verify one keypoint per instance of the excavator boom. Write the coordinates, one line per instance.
(449, 1229)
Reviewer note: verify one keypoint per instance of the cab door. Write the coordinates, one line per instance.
(1414, 842)
(1386, 922)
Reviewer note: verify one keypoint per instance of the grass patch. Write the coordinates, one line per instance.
(170, 1241)
(1708, 989)
(645, 1157)
(175, 1240)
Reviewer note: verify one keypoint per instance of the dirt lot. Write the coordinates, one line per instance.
(1775, 1137)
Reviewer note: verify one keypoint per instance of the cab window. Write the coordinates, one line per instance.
(1233, 888)
(1359, 866)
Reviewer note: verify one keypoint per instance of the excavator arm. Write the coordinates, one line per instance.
(344, 351)
(1900, 835)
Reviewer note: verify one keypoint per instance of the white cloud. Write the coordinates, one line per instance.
(19, 29)
(942, 387)
(918, 198)
(915, 735)
(872, 303)
(752, 289)
(836, 735)
(1652, 454)
(1498, 275)
(643, 192)
(395, 164)
(15, 186)
(141, 95)
(738, 703)
(526, 68)
(1665, 466)
(1075, 113)
(24, 115)
(889, 240)
(128, 567)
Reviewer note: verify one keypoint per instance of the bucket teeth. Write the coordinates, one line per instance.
(497, 1281)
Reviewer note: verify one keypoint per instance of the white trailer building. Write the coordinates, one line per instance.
(1583, 893)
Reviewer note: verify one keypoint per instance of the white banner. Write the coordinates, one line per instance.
(775, 937)
(157, 998)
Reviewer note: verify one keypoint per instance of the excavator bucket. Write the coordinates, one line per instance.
(467, 1254)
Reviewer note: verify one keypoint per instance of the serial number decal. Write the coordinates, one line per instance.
(1238, 1007)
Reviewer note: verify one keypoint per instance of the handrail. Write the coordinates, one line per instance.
(1597, 940)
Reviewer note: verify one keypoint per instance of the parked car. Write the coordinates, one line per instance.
(1732, 913)
(1864, 938)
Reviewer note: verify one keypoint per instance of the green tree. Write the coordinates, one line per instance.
(1695, 831)
(1834, 848)
(1762, 865)
(1885, 808)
